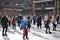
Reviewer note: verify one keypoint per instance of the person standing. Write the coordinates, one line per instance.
(4, 22)
(39, 21)
(47, 25)
(24, 27)
(14, 23)
(29, 21)
(45, 19)
(54, 23)
(19, 19)
(9, 20)
(34, 19)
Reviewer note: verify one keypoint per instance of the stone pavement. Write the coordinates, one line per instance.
(34, 34)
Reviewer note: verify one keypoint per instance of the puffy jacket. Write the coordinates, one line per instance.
(24, 24)
(14, 22)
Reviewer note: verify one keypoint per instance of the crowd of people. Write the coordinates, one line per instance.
(24, 23)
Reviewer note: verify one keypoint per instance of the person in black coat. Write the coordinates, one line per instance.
(39, 21)
(29, 21)
(4, 22)
(47, 25)
(19, 19)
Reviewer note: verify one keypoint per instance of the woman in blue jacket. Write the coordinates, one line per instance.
(24, 27)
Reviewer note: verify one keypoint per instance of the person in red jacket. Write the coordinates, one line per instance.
(14, 23)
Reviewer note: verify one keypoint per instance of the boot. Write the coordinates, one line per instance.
(50, 33)
(6, 35)
(46, 32)
(2, 34)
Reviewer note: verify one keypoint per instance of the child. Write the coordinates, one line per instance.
(14, 23)
(24, 27)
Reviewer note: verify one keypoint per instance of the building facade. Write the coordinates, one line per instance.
(58, 6)
(15, 7)
(45, 6)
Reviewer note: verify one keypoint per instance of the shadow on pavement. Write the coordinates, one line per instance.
(10, 31)
(55, 35)
(39, 35)
(58, 30)
(37, 30)
(18, 32)
(0, 27)
(6, 38)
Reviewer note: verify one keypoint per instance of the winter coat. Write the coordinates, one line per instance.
(4, 22)
(29, 25)
(47, 23)
(34, 18)
(14, 22)
(39, 20)
(24, 24)
(19, 19)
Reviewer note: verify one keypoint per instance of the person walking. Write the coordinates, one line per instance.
(47, 26)
(39, 19)
(34, 19)
(9, 19)
(19, 19)
(14, 23)
(4, 22)
(45, 19)
(54, 23)
(29, 21)
(24, 27)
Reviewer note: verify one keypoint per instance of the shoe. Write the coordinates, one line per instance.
(37, 27)
(46, 32)
(2, 34)
(6, 35)
(40, 28)
(27, 38)
(50, 33)
(23, 38)
(53, 29)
